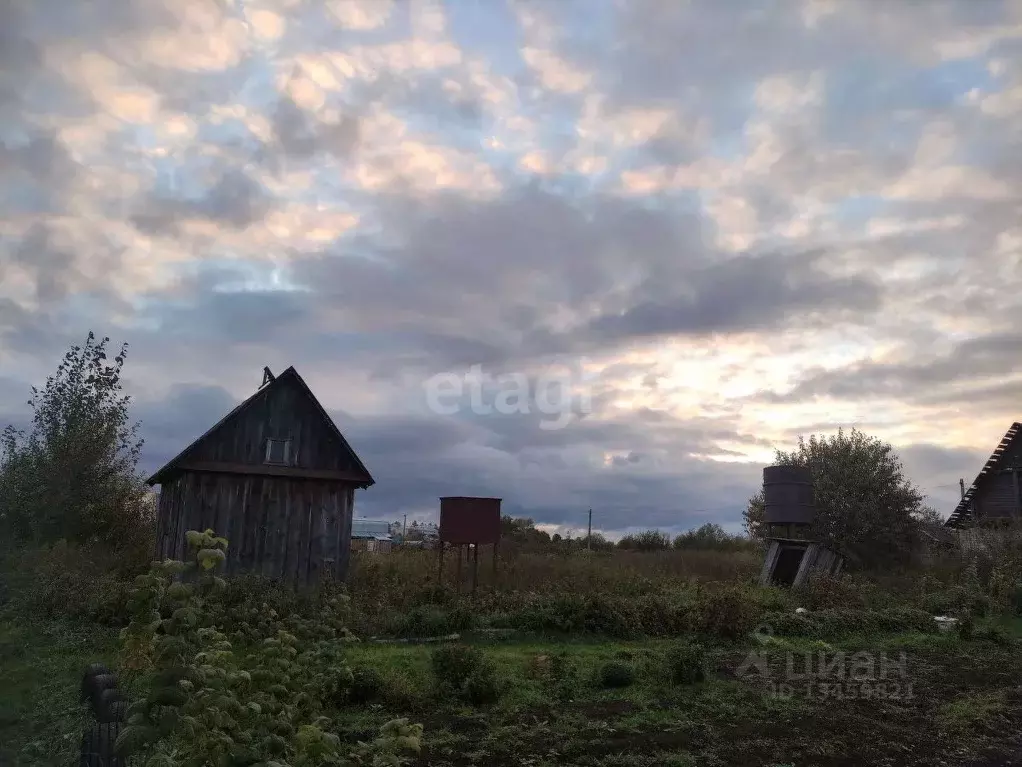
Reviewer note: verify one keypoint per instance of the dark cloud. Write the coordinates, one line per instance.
(742, 294)
(233, 318)
(555, 479)
(1002, 397)
(43, 158)
(937, 469)
(50, 268)
(300, 134)
(997, 354)
(929, 462)
(235, 200)
(42, 171)
(503, 265)
(173, 423)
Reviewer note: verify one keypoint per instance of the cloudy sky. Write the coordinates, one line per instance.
(719, 224)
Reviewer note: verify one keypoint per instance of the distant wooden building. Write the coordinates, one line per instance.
(371, 535)
(995, 497)
(275, 477)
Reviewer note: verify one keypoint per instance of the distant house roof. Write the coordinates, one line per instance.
(938, 535)
(370, 528)
(963, 511)
(361, 476)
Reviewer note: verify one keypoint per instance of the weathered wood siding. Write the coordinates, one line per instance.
(998, 496)
(283, 411)
(292, 530)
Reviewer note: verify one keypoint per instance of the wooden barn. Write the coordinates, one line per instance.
(275, 477)
(995, 497)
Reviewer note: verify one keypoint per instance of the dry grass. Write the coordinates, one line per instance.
(617, 572)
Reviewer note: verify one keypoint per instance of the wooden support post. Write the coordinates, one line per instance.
(806, 565)
(458, 580)
(766, 574)
(440, 565)
(475, 568)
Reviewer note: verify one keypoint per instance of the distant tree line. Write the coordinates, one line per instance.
(708, 537)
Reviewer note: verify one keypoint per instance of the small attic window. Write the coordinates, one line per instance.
(278, 451)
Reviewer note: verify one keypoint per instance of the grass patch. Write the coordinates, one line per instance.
(969, 712)
(41, 717)
(960, 703)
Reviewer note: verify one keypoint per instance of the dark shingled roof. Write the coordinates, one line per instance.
(364, 478)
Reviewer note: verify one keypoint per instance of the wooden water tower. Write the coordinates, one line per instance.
(788, 502)
(466, 523)
(793, 553)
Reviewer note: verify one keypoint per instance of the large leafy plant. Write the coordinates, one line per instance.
(208, 706)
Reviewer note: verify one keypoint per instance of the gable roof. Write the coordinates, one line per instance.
(361, 476)
(963, 512)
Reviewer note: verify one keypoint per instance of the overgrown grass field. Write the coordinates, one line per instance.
(959, 700)
(616, 658)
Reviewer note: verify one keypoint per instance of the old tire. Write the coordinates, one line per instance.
(102, 701)
(115, 711)
(98, 746)
(91, 671)
(98, 683)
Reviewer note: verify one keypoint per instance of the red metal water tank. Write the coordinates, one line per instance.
(465, 519)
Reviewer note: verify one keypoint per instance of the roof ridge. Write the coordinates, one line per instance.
(290, 372)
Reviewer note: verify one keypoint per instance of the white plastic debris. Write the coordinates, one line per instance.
(945, 623)
(800, 611)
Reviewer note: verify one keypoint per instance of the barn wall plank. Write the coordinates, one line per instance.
(281, 412)
(269, 561)
(346, 498)
(328, 537)
(286, 504)
(295, 530)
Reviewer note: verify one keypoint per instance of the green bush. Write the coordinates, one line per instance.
(615, 673)
(728, 613)
(579, 613)
(454, 664)
(399, 693)
(481, 687)
(366, 685)
(825, 592)
(85, 582)
(273, 699)
(563, 678)
(428, 620)
(834, 624)
(465, 672)
(557, 673)
(685, 663)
